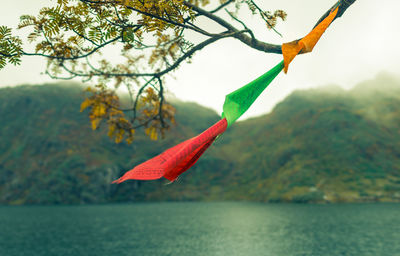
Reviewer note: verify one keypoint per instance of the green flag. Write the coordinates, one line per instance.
(239, 101)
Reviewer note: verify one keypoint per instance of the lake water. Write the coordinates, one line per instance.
(201, 229)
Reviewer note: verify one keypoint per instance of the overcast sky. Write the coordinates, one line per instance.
(361, 44)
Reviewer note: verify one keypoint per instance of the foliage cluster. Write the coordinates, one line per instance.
(80, 39)
(10, 47)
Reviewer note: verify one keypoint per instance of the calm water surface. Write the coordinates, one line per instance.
(201, 229)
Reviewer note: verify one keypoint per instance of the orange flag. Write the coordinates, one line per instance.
(307, 43)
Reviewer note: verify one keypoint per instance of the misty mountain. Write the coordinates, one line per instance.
(319, 145)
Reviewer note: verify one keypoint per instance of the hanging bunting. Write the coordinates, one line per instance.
(178, 159)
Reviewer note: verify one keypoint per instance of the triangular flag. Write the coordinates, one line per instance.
(289, 51)
(176, 160)
(307, 43)
(310, 40)
(239, 101)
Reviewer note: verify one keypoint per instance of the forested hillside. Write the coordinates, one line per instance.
(324, 144)
(320, 145)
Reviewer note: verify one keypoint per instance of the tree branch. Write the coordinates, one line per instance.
(74, 57)
(169, 21)
(257, 44)
(222, 6)
(254, 43)
(343, 5)
(167, 70)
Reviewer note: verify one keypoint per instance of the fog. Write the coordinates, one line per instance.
(355, 48)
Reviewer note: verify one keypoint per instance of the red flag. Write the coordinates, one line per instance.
(176, 160)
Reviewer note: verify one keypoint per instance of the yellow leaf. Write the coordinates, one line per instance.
(99, 110)
(95, 123)
(152, 133)
(119, 136)
(86, 103)
(111, 130)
